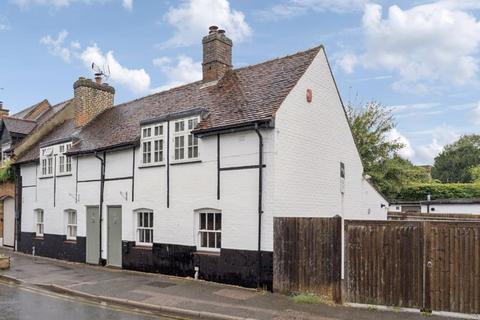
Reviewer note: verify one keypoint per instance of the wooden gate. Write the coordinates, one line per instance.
(420, 264)
(307, 256)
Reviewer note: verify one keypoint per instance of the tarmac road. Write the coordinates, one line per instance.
(26, 303)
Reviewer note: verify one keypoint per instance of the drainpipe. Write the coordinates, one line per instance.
(260, 211)
(102, 187)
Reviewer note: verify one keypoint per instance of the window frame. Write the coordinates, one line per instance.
(156, 135)
(190, 141)
(64, 160)
(46, 161)
(69, 226)
(199, 231)
(39, 223)
(139, 229)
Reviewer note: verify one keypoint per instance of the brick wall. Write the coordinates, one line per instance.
(217, 55)
(91, 99)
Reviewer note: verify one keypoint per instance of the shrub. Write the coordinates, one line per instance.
(7, 172)
(419, 191)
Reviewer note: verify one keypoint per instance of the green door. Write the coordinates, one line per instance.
(93, 235)
(114, 236)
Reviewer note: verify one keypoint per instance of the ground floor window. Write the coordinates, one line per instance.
(39, 222)
(210, 231)
(144, 227)
(71, 224)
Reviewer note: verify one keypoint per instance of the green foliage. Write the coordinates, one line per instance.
(454, 163)
(308, 298)
(393, 174)
(475, 174)
(371, 125)
(6, 172)
(419, 191)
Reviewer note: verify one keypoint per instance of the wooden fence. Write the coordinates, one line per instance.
(307, 256)
(422, 264)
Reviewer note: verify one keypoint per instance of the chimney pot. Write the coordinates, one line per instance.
(98, 78)
(221, 31)
(213, 29)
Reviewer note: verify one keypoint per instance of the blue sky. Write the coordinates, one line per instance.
(421, 58)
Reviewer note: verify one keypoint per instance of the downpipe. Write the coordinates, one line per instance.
(260, 205)
(100, 208)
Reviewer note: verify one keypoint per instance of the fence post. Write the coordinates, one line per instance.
(427, 267)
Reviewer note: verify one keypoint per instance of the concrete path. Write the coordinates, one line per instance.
(191, 298)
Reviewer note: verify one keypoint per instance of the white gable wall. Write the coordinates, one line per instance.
(311, 139)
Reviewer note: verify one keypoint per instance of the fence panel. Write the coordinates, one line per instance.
(307, 256)
(384, 263)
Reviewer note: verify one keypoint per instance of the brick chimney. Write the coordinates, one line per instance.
(217, 54)
(3, 112)
(91, 98)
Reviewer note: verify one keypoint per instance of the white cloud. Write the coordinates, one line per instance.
(178, 71)
(441, 136)
(475, 113)
(293, 8)
(128, 4)
(426, 45)
(348, 63)
(4, 25)
(137, 80)
(407, 150)
(192, 18)
(56, 46)
(57, 4)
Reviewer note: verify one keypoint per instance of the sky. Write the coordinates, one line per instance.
(420, 59)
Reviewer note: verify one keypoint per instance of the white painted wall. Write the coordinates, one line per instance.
(9, 222)
(302, 157)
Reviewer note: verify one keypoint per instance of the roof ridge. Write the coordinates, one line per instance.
(15, 118)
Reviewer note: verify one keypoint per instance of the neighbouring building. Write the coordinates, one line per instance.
(13, 129)
(188, 181)
(437, 206)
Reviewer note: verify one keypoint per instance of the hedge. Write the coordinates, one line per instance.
(6, 172)
(419, 191)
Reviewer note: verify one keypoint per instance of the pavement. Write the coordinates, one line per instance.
(186, 297)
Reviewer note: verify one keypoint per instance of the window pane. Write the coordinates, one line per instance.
(218, 221)
(210, 221)
(140, 222)
(151, 220)
(211, 239)
(204, 238)
(202, 221)
(219, 240)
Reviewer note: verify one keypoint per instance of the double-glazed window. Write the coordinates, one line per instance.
(185, 143)
(153, 144)
(64, 162)
(144, 227)
(39, 222)
(210, 231)
(71, 224)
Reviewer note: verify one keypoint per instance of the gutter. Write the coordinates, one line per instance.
(260, 201)
(100, 207)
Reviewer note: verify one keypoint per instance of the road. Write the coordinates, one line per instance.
(28, 303)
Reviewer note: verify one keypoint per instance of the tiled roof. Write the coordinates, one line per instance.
(243, 95)
(26, 112)
(19, 125)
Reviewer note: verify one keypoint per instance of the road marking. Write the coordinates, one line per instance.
(101, 305)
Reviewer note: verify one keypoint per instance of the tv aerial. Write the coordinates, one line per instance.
(101, 71)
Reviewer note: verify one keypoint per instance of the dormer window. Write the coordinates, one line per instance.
(64, 162)
(46, 160)
(185, 143)
(153, 144)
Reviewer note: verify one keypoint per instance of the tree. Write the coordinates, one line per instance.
(371, 125)
(475, 174)
(454, 163)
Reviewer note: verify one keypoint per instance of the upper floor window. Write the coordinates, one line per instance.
(144, 227)
(64, 162)
(71, 224)
(185, 143)
(153, 144)
(39, 222)
(46, 160)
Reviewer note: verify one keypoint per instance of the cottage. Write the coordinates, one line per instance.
(13, 129)
(187, 181)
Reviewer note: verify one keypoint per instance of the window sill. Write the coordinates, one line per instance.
(64, 175)
(38, 238)
(156, 165)
(201, 252)
(185, 162)
(45, 177)
(70, 241)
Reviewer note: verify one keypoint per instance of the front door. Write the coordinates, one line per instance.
(114, 236)
(93, 235)
(9, 222)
